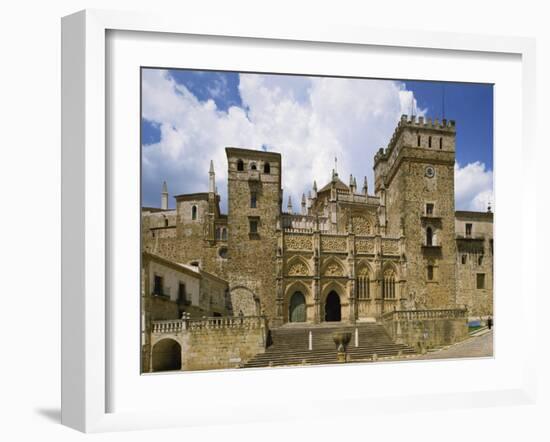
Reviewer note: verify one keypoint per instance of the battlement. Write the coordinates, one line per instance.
(427, 123)
(444, 128)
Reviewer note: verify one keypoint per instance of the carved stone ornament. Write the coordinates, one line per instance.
(334, 269)
(334, 244)
(364, 245)
(361, 226)
(298, 269)
(298, 242)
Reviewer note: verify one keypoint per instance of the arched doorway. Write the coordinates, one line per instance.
(297, 308)
(166, 355)
(333, 310)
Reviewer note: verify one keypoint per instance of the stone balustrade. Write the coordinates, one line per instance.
(167, 326)
(211, 323)
(419, 315)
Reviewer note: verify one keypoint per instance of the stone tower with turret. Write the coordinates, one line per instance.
(414, 178)
(254, 211)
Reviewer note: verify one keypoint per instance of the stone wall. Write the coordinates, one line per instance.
(475, 256)
(427, 328)
(208, 343)
(222, 348)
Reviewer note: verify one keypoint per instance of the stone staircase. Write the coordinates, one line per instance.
(289, 345)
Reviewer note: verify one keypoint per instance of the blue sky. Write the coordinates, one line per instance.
(188, 117)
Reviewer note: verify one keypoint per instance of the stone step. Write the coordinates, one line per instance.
(289, 345)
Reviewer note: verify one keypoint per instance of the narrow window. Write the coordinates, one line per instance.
(224, 234)
(253, 226)
(468, 229)
(157, 285)
(440, 142)
(253, 200)
(253, 166)
(430, 141)
(218, 233)
(429, 209)
(240, 165)
(429, 236)
(267, 168)
(480, 281)
(418, 141)
(194, 213)
(165, 222)
(464, 257)
(480, 260)
(430, 273)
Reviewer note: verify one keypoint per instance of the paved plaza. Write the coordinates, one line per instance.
(474, 347)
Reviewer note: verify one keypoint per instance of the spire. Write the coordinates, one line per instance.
(350, 180)
(211, 178)
(489, 210)
(314, 189)
(304, 209)
(365, 186)
(289, 205)
(164, 196)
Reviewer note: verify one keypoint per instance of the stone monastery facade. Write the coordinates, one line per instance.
(348, 253)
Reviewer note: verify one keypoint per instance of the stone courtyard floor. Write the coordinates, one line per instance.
(473, 347)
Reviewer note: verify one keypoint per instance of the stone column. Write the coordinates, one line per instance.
(317, 274)
(352, 291)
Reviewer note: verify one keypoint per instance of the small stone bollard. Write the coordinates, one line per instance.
(310, 344)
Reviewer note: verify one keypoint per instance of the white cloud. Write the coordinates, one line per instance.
(309, 120)
(473, 187)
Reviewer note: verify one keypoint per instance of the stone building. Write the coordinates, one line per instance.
(347, 253)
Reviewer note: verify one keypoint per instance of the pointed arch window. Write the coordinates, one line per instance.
(240, 165)
(388, 285)
(363, 286)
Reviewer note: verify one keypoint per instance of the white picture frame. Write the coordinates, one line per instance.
(86, 213)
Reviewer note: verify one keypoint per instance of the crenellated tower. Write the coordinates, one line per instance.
(414, 179)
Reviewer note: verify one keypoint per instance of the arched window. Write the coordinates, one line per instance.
(267, 168)
(194, 213)
(363, 286)
(429, 236)
(418, 141)
(240, 165)
(388, 285)
(464, 257)
(480, 260)
(218, 233)
(224, 234)
(430, 141)
(165, 222)
(253, 166)
(441, 142)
